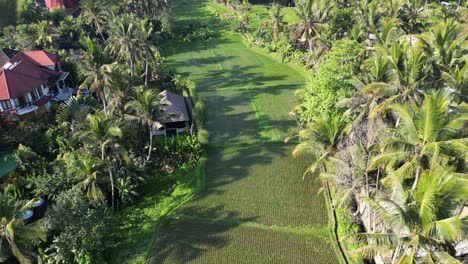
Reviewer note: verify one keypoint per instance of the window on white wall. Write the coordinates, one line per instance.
(6, 104)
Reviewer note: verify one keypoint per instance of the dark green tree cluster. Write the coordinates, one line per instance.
(385, 122)
(90, 156)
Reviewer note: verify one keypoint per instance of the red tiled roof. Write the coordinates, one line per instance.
(61, 3)
(24, 75)
(13, 84)
(42, 57)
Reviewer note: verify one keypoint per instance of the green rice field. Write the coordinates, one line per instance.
(255, 207)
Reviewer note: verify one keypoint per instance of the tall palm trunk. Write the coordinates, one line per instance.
(376, 195)
(396, 253)
(275, 32)
(111, 177)
(150, 144)
(132, 69)
(310, 41)
(99, 30)
(104, 102)
(146, 70)
(416, 179)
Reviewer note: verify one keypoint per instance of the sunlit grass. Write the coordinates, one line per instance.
(188, 241)
(262, 183)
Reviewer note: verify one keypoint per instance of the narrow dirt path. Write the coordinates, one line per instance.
(255, 208)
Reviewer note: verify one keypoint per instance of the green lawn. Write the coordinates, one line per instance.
(258, 14)
(255, 208)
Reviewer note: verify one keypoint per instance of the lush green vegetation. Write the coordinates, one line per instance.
(384, 115)
(362, 100)
(93, 160)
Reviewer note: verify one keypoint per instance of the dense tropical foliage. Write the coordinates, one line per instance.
(90, 156)
(383, 120)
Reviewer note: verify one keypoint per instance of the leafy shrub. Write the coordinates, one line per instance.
(173, 152)
(51, 183)
(82, 229)
(341, 21)
(332, 82)
(30, 133)
(191, 31)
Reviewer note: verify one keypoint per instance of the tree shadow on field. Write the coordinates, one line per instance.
(227, 166)
(229, 102)
(237, 77)
(185, 238)
(201, 62)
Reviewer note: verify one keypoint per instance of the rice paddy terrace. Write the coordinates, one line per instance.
(255, 207)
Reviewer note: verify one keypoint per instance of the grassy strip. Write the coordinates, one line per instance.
(137, 224)
(277, 57)
(334, 236)
(346, 226)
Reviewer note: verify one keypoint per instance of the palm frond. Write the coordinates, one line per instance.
(449, 229)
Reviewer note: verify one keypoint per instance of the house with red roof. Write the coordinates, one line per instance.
(51, 4)
(29, 81)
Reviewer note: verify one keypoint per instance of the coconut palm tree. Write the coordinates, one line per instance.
(412, 14)
(361, 104)
(13, 228)
(408, 70)
(393, 8)
(368, 16)
(148, 51)
(421, 137)
(276, 19)
(88, 172)
(457, 80)
(123, 42)
(314, 15)
(151, 8)
(102, 134)
(320, 139)
(146, 109)
(420, 225)
(447, 43)
(76, 109)
(96, 68)
(94, 14)
(118, 90)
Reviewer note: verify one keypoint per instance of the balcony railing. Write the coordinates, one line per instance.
(63, 95)
(26, 109)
